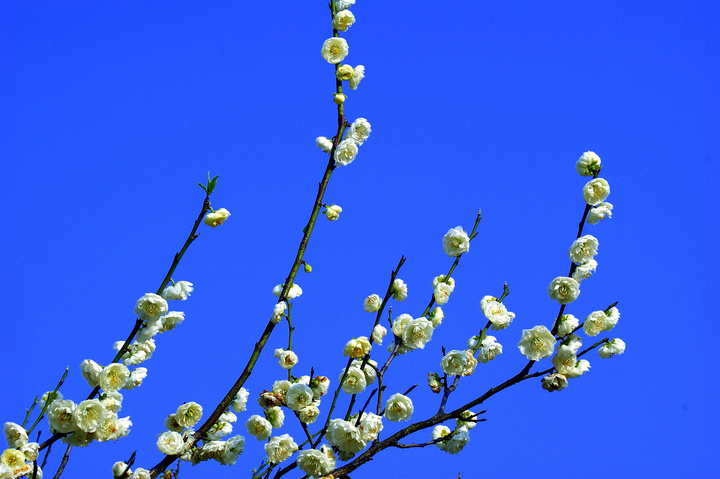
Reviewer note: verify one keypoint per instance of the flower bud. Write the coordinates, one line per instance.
(344, 72)
(339, 98)
(307, 268)
(332, 212)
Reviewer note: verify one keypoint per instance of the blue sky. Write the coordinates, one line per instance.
(113, 111)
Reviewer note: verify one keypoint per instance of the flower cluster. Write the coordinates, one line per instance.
(565, 290)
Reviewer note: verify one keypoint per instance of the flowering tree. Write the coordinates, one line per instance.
(328, 420)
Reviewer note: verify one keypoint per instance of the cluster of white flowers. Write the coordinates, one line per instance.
(565, 290)
(351, 437)
(451, 442)
(348, 148)
(301, 396)
(17, 459)
(357, 378)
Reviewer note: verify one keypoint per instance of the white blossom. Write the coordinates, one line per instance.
(584, 270)
(583, 249)
(314, 463)
(355, 381)
(61, 415)
(588, 163)
(278, 312)
(89, 415)
(180, 290)
(611, 348)
(568, 323)
(286, 358)
(442, 293)
(292, 293)
(15, 435)
(258, 427)
(369, 370)
(613, 315)
(275, 416)
(441, 431)
(332, 212)
(400, 323)
(170, 443)
(90, 370)
(113, 377)
(299, 396)
(456, 242)
(454, 362)
(280, 448)
(537, 343)
(370, 426)
(595, 323)
(372, 303)
(345, 152)
(358, 75)
(554, 382)
(342, 21)
(399, 290)
(496, 312)
(170, 320)
(14, 460)
(30, 450)
(233, 448)
(357, 347)
(596, 191)
(324, 144)
(320, 385)
(566, 363)
(136, 378)
(188, 414)
(398, 408)
(436, 316)
(458, 441)
(417, 333)
(564, 290)
(150, 306)
(138, 352)
(345, 436)
(334, 50)
(309, 413)
(240, 402)
(599, 212)
(359, 131)
(378, 333)
(140, 473)
(216, 218)
(343, 4)
(489, 349)
(467, 419)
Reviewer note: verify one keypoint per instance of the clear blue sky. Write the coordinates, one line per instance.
(112, 111)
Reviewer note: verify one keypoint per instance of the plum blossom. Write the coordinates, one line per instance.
(456, 242)
(537, 343)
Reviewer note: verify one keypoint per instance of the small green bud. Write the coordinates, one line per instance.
(307, 268)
